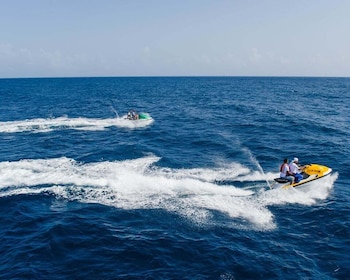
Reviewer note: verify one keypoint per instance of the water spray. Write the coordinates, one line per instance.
(253, 159)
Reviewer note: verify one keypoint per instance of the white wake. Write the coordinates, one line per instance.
(40, 125)
(141, 184)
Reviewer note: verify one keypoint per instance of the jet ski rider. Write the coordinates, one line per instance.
(132, 115)
(285, 171)
(295, 169)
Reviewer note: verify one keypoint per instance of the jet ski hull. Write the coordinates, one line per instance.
(144, 116)
(311, 172)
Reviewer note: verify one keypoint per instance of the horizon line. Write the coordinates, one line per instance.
(173, 76)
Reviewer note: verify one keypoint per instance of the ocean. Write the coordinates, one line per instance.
(87, 194)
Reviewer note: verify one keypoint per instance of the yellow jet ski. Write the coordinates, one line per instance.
(310, 173)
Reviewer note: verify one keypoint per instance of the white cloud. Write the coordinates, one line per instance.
(255, 56)
(42, 62)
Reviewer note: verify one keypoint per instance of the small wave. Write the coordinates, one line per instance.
(41, 125)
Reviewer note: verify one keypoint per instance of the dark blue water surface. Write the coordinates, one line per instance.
(86, 194)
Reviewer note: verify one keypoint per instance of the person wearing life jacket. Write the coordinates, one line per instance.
(285, 171)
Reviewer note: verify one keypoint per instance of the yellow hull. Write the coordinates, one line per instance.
(311, 173)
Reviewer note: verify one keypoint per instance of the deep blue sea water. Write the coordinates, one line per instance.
(86, 194)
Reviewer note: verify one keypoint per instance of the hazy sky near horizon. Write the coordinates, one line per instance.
(65, 38)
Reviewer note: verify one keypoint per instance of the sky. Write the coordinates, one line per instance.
(88, 38)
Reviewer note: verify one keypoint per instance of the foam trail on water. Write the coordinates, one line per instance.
(305, 195)
(140, 184)
(41, 125)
